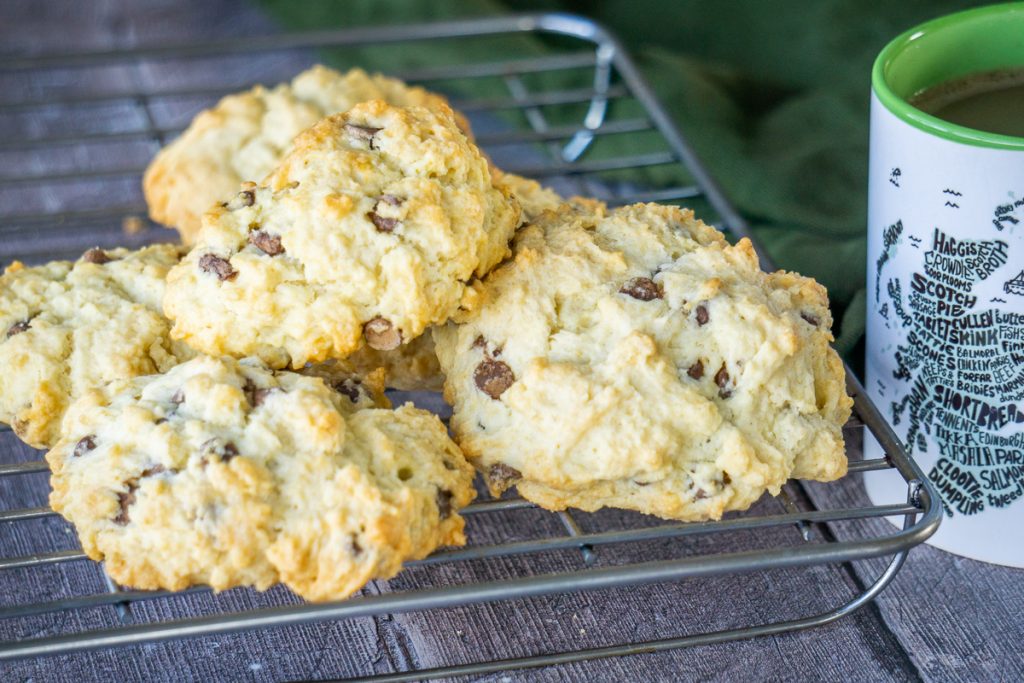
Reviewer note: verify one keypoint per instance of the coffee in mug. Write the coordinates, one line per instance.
(990, 101)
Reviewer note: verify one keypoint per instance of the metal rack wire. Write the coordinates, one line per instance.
(589, 86)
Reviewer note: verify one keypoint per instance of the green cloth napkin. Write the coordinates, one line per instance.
(773, 96)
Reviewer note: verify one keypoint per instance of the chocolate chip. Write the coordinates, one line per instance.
(701, 494)
(243, 199)
(256, 395)
(97, 256)
(84, 445)
(266, 242)
(349, 387)
(493, 377)
(225, 451)
(362, 133)
(479, 343)
(381, 334)
(810, 318)
(722, 380)
(221, 267)
(19, 327)
(354, 546)
(642, 288)
(384, 223)
(702, 315)
(126, 500)
(228, 452)
(501, 476)
(726, 479)
(696, 370)
(179, 397)
(381, 223)
(444, 503)
(155, 469)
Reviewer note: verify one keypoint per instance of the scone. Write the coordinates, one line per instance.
(632, 358)
(365, 234)
(224, 473)
(66, 327)
(245, 136)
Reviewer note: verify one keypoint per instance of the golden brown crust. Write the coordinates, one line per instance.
(247, 134)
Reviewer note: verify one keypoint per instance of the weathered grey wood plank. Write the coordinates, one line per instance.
(595, 619)
(958, 619)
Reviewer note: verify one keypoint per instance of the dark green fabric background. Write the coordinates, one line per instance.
(773, 96)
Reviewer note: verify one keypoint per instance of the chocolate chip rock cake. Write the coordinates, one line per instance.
(224, 473)
(246, 135)
(66, 327)
(632, 358)
(366, 234)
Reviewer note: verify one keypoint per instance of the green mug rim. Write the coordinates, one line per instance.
(919, 119)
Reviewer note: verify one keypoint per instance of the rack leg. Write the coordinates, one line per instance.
(790, 506)
(124, 614)
(570, 524)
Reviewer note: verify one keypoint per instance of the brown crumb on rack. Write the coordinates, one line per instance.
(132, 225)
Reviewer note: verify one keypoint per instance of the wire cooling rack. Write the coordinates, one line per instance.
(73, 145)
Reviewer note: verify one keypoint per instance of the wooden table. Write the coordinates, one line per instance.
(944, 618)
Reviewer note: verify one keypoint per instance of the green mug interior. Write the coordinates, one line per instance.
(981, 39)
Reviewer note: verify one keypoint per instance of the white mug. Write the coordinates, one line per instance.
(945, 319)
